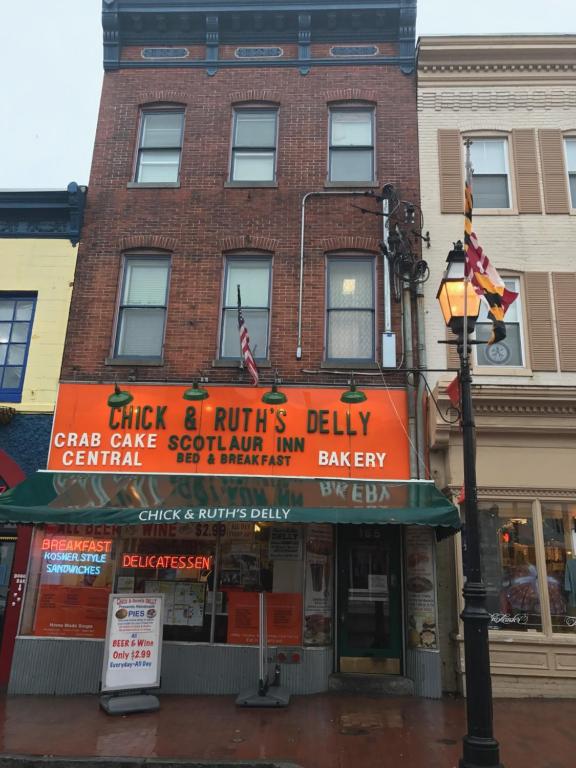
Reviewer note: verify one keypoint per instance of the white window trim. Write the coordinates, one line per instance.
(253, 108)
(565, 138)
(351, 107)
(504, 136)
(164, 108)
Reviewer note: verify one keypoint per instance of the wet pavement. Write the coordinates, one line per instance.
(321, 731)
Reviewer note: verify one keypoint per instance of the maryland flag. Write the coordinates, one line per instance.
(483, 275)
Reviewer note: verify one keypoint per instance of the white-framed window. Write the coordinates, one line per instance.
(159, 146)
(351, 144)
(254, 137)
(491, 173)
(508, 353)
(570, 149)
(350, 316)
(253, 275)
(142, 308)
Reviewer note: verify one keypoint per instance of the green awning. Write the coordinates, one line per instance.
(57, 497)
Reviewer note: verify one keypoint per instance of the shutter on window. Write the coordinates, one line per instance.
(452, 359)
(553, 171)
(526, 171)
(564, 292)
(450, 166)
(540, 321)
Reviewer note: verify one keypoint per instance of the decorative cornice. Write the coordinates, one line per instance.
(254, 23)
(43, 214)
(496, 58)
(517, 492)
(496, 99)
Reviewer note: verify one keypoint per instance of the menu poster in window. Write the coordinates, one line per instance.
(75, 581)
(285, 542)
(283, 618)
(318, 595)
(189, 599)
(125, 584)
(420, 588)
(133, 648)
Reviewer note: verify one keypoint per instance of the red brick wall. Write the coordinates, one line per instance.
(196, 220)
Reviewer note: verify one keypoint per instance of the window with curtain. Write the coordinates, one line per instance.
(508, 353)
(350, 309)
(252, 274)
(254, 145)
(142, 310)
(159, 146)
(351, 145)
(570, 148)
(490, 180)
(16, 318)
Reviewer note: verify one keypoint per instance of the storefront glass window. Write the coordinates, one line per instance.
(559, 525)
(73, 571)
(508, 562)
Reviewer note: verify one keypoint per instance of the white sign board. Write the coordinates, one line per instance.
(133, 649)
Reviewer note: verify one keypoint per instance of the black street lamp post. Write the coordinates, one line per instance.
(460, 306)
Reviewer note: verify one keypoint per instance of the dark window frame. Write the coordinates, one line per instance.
(122, 308)
(239, 258)
(144, 113)
(332, 148)
(14, 394)
(243, 148)
(355, 259)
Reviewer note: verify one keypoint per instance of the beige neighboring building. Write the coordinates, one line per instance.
(515, 97)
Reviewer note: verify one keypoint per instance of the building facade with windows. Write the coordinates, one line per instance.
(237, 152)
(39, 234)
(515, 99)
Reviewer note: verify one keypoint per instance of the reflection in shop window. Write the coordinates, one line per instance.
(200, 569)
(508, 562)
(559, 524)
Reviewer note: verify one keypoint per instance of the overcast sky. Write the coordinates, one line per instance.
(51, 74)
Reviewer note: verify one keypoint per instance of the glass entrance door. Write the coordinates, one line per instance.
(370, 628)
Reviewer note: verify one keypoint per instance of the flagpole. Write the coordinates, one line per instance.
(239, 338)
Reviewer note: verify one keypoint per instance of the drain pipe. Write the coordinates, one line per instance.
(302, 229)
(409, 358)
(420, 412)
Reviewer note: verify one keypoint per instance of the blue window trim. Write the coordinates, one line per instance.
(14, 394)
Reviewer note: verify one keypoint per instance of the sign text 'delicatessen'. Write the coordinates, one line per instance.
(232, 432)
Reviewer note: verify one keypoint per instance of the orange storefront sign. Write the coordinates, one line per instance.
(232, 432)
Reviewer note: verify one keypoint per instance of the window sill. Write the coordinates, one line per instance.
(236, 363)
(132, 361)
(489, 370)
(499, 212)
(348, 365)
(153, 185)
(250, 184)
(351, 185)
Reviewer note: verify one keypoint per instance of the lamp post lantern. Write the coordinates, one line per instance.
(460, 306)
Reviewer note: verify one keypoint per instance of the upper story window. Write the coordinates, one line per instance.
(159, 146)
(570, 146)
(252, 274)
(254, 145)
(509, 352)
(142, 309)
(351, 145)
(350, 309)
(491, 179)
(16, 317)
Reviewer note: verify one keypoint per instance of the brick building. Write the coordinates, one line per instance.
(236, 143)
(515, 99)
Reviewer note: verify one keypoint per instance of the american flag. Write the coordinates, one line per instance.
(247, 356)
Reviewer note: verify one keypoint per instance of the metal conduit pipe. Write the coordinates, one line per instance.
(420, 413)
(409, 360)
(302, 230)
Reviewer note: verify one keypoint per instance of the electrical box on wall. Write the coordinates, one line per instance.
(388, 350)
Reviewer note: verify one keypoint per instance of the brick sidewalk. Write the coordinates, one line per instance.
(322, 731)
